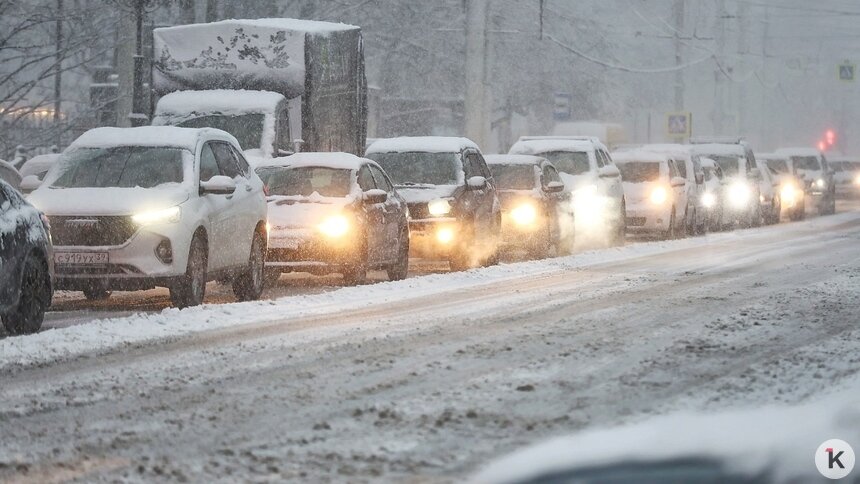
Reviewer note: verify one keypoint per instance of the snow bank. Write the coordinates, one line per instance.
(428, 144)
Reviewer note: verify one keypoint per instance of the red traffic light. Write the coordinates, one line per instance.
(822, 145)
(830, 137)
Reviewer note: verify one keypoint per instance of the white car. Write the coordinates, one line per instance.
(135, 208)
(811, 165)
(742, 180)
(587, 170)
(656, 193)
(690, 167)
(713, 199)
(791, 187)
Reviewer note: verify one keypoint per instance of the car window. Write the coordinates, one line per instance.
(380, 178)
(227, 164)
(472, 166)
(244, 167)
(681, 165)
(598, 155)
(550, 174)
(208, 165)
(365, 179)
(673, 170)
(485, 170)
(284, 141)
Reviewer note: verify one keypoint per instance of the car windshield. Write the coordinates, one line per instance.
(639, 171)
(304, 181)
(121, 166)
(729, 164)
(570, 162)
(246, 128)
(514, 177)
(778, 166)
(420, 168)
(805, 163)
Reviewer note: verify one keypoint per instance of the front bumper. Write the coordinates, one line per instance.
(517, 236)
(436, 238)
(642, 218)
(304, 250)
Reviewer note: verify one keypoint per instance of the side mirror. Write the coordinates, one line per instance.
(285, 152)
(609, 171)
(554, 187)
(30, 183)
(374, 196)
(218, 185)
(297, 145)
(476, 183)
(700, 178)
(678, 181)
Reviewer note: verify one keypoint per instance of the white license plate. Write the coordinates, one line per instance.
(81, 258)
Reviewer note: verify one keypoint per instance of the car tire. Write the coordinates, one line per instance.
(96, 292)
(190, 289)
(249, 285)
(35, 297)
(400, 268)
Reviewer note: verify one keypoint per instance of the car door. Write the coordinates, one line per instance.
(375, 217)
(239, 217)
(216, 207)
(392, 214)
(253, 204)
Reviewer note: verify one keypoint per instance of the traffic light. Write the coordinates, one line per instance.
(830, 137)
(822, 145)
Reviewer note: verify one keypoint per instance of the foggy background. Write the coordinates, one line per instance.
(764, 69)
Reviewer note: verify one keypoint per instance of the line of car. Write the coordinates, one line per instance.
(161, 206)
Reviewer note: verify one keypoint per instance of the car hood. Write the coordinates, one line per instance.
(297, 212)
(107, 201)
(426, 193)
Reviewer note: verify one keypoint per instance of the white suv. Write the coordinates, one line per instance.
(134, 208)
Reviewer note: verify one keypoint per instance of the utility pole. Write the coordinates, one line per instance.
(125, 68)
(139, 116)
(678, 13)
(719, 114)
(764, 129)
(743, 50)
(58, 74)
(476, 33)
(201, 7)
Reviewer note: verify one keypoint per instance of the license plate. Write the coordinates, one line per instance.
(81, 258)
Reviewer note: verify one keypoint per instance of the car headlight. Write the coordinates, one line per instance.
(659, 196)
(334, 226)
(739, 194)
(586, 196)
(445, 235)
(525, 214)
(857, 180)
(787, 193)
(709, 200)
(440, 207)
(820, 183)
(167, 216)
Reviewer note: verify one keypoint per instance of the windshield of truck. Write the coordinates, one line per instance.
(246, 128)
(729, 164)
(639, 171)
(806, 163)
(419, 168)
(304, 181)
(514, 177)
(570, 162)
(778, 166)
(121, 167)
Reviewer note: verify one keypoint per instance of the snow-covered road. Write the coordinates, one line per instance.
(433, 376)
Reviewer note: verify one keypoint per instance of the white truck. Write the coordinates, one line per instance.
(277, 85)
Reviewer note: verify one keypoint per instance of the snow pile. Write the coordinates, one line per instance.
(421, 144)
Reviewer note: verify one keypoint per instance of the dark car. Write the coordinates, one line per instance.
(535, 215)
(451, 196)
(26, 263)
(334, 213)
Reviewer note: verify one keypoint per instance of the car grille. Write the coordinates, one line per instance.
(84, 231)
(418, 211)
(635, 221)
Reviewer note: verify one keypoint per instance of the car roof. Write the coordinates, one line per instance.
(798, 151)
(429, 144)
(719, 149)
(535, 146)
(639, 155)
(335, 160)
(514, 160)
(163, 136)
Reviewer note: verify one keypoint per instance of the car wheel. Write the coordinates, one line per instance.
(191, 288)
(249, 285)
(35, 298)
(400, 268)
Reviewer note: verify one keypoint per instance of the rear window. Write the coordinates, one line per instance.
(778, 166)
(305, 181)
(570, 162)
(639, 171)
(420, 168)
(729, 164)
(805, 163)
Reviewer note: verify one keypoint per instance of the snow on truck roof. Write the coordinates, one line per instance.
(429, 144)
(513, 160)
(219, 100)
(341, 161)
(171, 136)
(291, 24)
